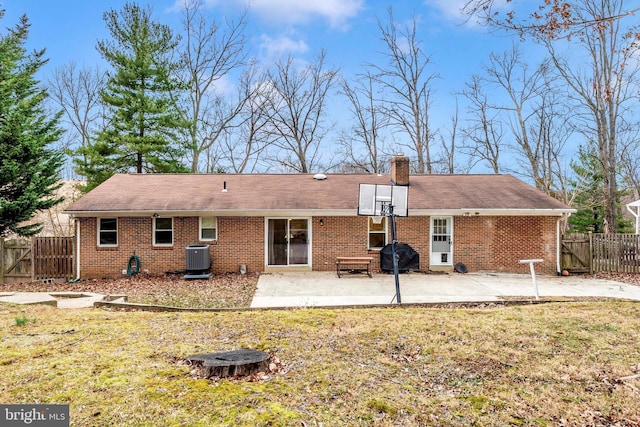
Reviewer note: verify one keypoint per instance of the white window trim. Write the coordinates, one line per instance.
(154, 232)
(102, 245)
(385, 232)
(200, 229)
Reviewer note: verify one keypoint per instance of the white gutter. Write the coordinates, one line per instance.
(221, 212)
(491, 212)
(325, 212)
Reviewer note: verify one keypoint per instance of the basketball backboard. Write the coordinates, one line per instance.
(373, 198)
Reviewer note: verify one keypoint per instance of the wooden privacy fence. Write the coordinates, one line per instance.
(15, 255)
(594, 252)
(576, 253)
(52, 257)
(40, 258)
(616, 252)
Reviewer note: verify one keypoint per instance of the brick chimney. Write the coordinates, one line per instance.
(400, 169)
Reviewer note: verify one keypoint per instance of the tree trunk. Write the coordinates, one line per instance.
(233, 363)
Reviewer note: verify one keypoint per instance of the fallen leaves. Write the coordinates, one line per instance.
(221, 291)
(628, 278)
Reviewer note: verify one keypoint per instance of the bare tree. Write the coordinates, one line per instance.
(550, 130)
(242, 150)
(602, 86)
(408, 84)
(77, 92)
(297, 104)
(483, 134)
(548, 18)
(363, 143)
(450, 145)
(210, 52)
(603, 91)
(507, 72)
(522, 89)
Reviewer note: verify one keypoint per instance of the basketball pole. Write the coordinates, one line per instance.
(392, 218)
(378, 200)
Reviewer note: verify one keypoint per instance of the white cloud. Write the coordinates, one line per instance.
(177, 6)
(451, 9)
(224, 86)
(273, 47)
(290, 12)
(336, 12)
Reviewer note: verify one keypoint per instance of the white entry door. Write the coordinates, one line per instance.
(441, 241)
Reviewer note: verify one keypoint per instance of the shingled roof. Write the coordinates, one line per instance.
(302, 194)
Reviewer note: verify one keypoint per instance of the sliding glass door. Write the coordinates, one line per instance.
(288, 241)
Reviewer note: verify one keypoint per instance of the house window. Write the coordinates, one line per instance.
(163, 231)
(107, 231)
(208, 228)
(377, 232)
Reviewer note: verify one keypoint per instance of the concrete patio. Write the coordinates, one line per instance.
(325, 289)
(314, 289)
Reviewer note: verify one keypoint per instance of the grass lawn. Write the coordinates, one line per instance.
(548, 364)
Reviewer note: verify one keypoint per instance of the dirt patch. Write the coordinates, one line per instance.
(223, 291)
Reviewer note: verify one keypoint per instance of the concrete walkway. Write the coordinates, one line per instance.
(56, 299)
(315, 289)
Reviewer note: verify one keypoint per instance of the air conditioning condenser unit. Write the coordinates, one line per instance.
(198, 260)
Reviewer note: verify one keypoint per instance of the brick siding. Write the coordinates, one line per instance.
(482, 243)
(498, 243)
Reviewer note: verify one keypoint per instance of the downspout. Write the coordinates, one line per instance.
(77, 250)
(564, 217)
(636, 214)
(558, 249)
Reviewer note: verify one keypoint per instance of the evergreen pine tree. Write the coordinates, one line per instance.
(29, 170)
(588, 202)
(140, 134)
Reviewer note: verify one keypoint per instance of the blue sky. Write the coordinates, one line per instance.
(346, 29)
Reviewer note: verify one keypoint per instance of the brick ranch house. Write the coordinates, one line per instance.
(276, 222)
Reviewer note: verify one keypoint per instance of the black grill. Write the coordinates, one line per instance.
(408, 259)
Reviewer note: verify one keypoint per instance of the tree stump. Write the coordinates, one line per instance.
(233, 363)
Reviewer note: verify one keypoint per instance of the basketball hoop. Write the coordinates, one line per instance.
(378, 201)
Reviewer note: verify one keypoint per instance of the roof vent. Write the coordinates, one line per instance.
(319, 176)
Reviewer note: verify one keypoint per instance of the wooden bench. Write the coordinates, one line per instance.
(349, 263)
